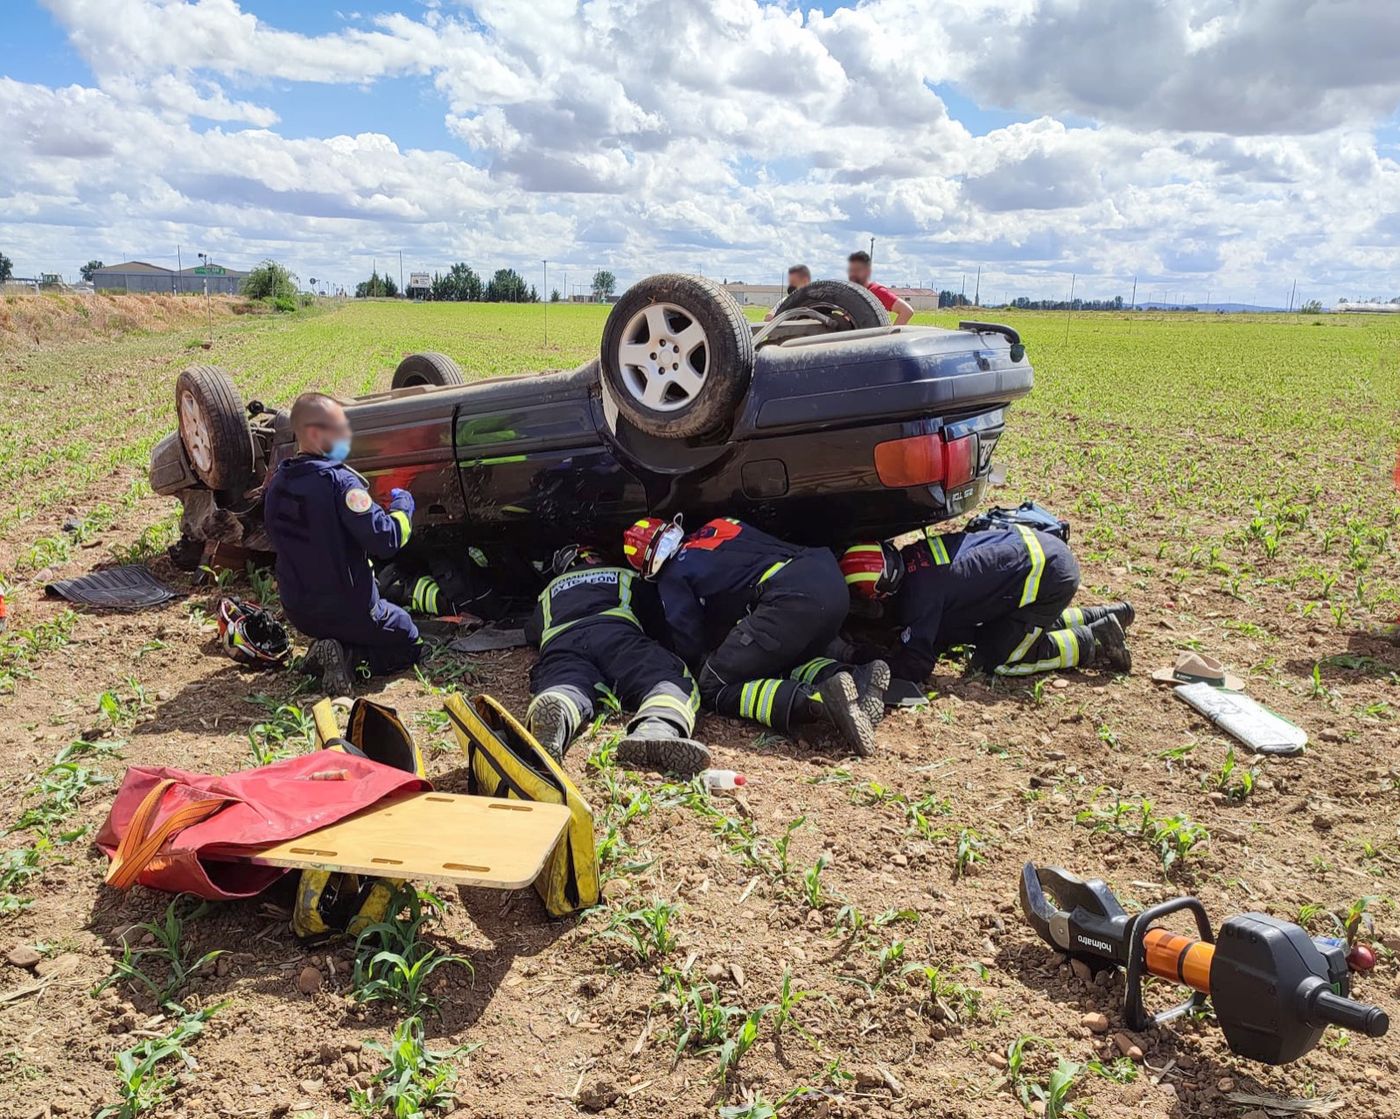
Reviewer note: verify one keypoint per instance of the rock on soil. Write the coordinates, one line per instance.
(24, 956)
(310, 980)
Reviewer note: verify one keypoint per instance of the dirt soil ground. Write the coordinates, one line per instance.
(917, 970)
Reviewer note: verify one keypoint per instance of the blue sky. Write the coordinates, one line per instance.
(1194, 149)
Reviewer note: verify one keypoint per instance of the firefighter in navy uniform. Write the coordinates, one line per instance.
(754, 616)
(1007, 593)
(587, 628)
(326, 529)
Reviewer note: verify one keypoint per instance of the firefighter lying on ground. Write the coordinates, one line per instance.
(326, 528)
(1007, 593)
(587, 627)
(753, 617)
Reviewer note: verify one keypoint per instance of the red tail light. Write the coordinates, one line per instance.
(922, 460)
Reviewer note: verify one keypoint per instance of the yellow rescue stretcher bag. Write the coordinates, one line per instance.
(504, 760)
(330, 902)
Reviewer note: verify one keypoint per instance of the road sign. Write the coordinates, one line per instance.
(211, 270)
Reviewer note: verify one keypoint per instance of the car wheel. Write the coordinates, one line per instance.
(851, 305)
(427, 369)
(214, 428)
(677, 356)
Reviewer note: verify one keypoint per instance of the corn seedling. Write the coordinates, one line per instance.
(954, 1001)
(1055, 1094)
(1175, 838)
(647, 931)
(738, 1044)
(287, 729)
(702, 1021)
(812, 883)
(784, 1011)
(143, 1077)
(393, 962)
(969, 852)
(753, 1106)
(169, 948)
(1232, 780)
(414, 1079)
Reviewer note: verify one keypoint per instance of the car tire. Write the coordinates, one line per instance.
(214, 428)
(677, 356)
(427, 369)
(851, 305)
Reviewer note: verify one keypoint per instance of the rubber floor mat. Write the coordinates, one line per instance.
(116, 588)
(488, 638)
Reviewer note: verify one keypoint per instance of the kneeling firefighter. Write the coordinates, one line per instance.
(586, 627)
(755, 617)
(1007, 593)
(326, 529)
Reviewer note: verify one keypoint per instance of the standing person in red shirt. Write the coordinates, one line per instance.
(858, 272)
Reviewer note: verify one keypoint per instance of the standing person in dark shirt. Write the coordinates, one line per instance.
(858, 272)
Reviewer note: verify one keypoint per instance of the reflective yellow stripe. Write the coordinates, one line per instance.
(937, 548)
(1022, 649)
(863, 577)
(405, 525)
(746, 698)
(1037, 556)
(1072, 616)
(770, 692)
(808, 672)
(679, 706)
(772, 571)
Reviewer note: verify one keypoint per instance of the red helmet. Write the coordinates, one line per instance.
(650, 542)
(872, 570)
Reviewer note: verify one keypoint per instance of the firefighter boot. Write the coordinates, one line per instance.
(837, 701)
(871, 681)
(654, 743)
(552, 722)
(327, 662)
(1110, 645)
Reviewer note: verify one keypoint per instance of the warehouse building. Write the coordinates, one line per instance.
(137, 275)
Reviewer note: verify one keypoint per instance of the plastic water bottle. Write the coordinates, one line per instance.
(719, 780)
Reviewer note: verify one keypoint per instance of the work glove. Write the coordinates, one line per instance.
(401, 501)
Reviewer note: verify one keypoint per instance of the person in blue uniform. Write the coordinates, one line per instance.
(753, 616)
(326, 529)
(1007, 593)
(588, 627)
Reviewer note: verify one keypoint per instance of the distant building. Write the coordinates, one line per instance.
(137, 275)
(1370, 308)
(420, 286)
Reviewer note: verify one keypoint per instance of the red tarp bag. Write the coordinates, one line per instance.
(176, 831)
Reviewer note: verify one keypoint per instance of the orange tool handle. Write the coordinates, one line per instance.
(1182, 959)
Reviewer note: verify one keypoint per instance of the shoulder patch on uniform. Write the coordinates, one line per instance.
(357, 500)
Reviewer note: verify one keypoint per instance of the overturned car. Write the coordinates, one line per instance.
(822, 425)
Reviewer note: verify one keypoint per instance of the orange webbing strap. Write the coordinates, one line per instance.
(1181, 959)
(141, 842)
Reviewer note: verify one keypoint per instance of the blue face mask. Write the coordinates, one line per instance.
(339, 450)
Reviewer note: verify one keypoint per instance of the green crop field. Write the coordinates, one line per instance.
(1249, 448)
(841, 937)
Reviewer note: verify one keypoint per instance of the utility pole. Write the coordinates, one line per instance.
(178, 269)
(401, 273)
(1292, 293)
(546, 302)
(1133, 305)
(963, 290)
(1069, 314)
(977, 293)
(872, 252)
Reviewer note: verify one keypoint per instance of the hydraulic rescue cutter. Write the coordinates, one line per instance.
(1273, 988)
